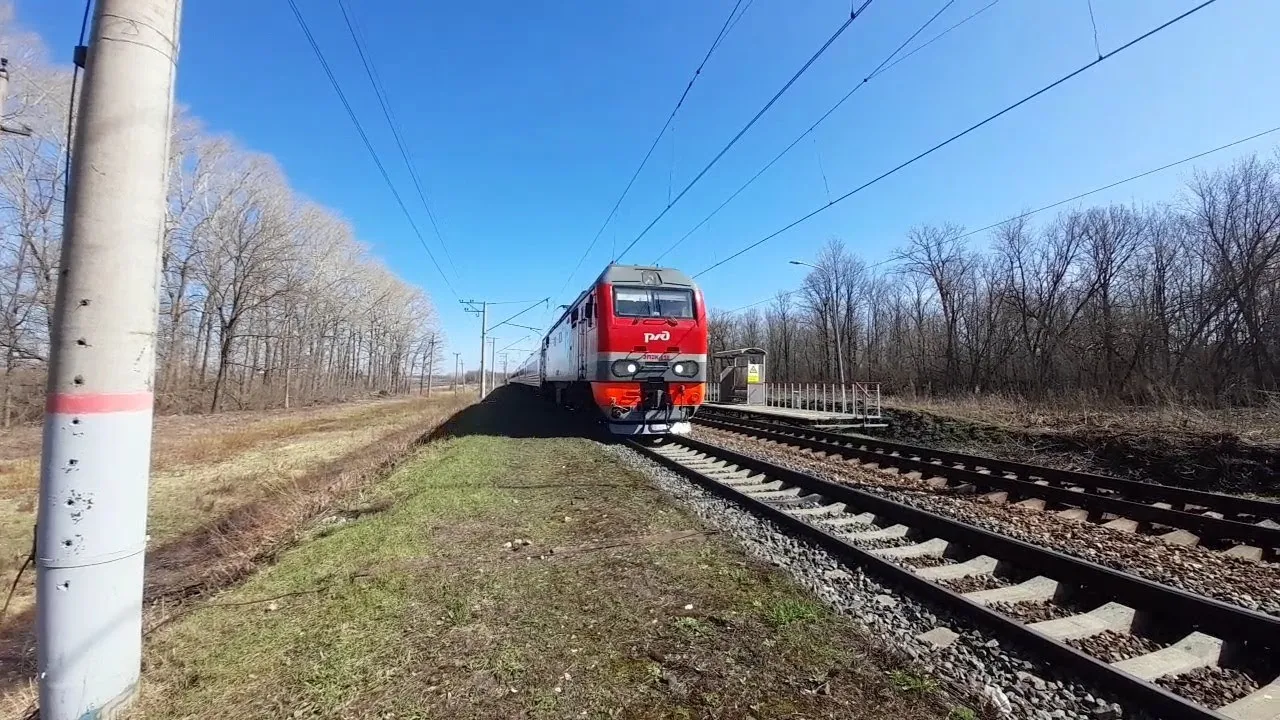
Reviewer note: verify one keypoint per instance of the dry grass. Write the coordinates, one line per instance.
(226, 492)
(1229, 450)
(1258, 425)
(618, 606)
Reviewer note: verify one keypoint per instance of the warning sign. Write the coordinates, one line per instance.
(753, 373)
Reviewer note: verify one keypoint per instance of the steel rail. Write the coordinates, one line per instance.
(909, 457)
(1254, 631)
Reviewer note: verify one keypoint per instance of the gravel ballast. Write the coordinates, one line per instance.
(1211, 686)
(1115, 646)
(1249, 584)
(973, 667)
(1032, 612)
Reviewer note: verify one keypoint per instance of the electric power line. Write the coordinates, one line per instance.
(938, 37)
(1131, 178)
(525, 327)
(836, 35)
(879, 69)
(1059, 203)
(962, 133)
(789, 293)
(535, 304)
(1097, 47)
(380, 90)
(364, 137)
(724, 32)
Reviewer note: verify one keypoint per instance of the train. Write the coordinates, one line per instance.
(631, 350)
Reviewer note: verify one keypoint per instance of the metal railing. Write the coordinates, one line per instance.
(857, 399)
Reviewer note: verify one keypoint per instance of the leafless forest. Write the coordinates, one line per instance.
(266, 298)
(1175, 302)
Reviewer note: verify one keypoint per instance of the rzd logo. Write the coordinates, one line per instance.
(664, 336)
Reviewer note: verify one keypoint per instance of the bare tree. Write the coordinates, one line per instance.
(1173, 302)
(265, 299)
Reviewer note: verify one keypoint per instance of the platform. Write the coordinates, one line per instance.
(801, 416)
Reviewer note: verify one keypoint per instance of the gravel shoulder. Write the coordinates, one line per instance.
(999, 681)
(509, 571)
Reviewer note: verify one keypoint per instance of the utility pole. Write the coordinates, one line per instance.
(431, 362)
(4, 93)
(483, 312)
(92, 524)
(457, 361)
(493, 366)
(485, 328)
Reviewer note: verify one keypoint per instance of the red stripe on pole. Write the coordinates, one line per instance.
(96, 403)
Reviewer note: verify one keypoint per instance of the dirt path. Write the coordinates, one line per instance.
(510, 573)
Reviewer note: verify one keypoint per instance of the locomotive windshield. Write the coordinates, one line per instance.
(644, 302)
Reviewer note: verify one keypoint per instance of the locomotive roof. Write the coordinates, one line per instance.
(628, 274)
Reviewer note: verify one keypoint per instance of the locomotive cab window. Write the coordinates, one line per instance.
(673, 303)
(643, 302)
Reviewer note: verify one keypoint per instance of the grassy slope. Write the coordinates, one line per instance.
(619, 607)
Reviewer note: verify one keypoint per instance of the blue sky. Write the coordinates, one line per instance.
(526, 119)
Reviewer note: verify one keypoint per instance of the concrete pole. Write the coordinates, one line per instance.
(457, 359)
(839, 350)
(484, 321)
(493, 365)
(431, 362)
(4, 93)
(97, 424)
(4, 86)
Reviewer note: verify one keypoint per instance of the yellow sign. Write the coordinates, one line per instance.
(753, 373)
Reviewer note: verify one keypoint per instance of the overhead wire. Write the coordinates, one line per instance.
(71, 106)
(939, 36)
(961, 134)
(1058, 203)
(364, 137)
(835, 36)
(728, 24)
(535, 304)
(1117, 183)
(371, 71)
(884, 64)
(1094, 22)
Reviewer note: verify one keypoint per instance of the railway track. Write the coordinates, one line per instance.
(1166, 638)
(1241, 527)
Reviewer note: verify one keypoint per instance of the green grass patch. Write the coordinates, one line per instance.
(436, 606)
(785, 611)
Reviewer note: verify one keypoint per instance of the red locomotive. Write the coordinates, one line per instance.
(633, 345)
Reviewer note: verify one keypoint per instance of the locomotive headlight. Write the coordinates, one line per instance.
(685, 368)
(624, 368)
